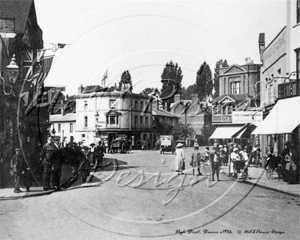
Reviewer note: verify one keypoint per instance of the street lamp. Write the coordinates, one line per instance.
(12, 73)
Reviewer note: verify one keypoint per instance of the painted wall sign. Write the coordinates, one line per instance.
(247, 117)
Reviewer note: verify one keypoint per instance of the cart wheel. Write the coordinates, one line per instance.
(268, 173)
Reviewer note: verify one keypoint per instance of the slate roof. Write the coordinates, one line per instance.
(163, 113)
(71, 117)
(18, 9)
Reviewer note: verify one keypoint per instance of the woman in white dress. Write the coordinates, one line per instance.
(179, 159)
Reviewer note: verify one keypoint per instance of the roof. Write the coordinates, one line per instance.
(70, 117)
(236, 97)
(163, 113)
(18, 9)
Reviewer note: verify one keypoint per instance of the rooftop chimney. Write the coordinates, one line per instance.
(194, 98)
(80, 89)
(177, 97)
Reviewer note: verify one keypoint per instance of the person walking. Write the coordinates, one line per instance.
(235, 160)
(47, 156)
(179, 158)
(57, 161)
(17, 167)
(215, 163)
(195, 161)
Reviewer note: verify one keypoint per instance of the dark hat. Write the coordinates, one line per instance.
(288, 143)
(85, 147)
(92, 144)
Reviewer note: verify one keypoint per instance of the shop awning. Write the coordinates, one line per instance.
(283, 118)
(225, 132)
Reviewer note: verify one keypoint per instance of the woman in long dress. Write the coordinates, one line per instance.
(179, 159)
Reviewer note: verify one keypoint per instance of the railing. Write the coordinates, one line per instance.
(222, 119)
(289, 89)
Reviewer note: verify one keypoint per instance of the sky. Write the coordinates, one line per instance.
(142, 36)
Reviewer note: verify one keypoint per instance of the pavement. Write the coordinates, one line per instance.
(256, 176)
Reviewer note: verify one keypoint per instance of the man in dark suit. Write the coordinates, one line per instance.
(17, 165)
(215, 163)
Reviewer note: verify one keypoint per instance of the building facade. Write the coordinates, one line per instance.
(234, 112)
(106, 116)
(280, 84)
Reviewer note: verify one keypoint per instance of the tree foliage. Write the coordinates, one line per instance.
(161, 127)
(171, 77)
(186, 93)
(219, 64)
(204, 83)
(184, 130)
(147, 91)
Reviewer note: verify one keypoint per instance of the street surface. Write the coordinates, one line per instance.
(133, 203)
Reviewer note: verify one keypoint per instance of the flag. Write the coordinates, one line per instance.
(31, 62)
(56, 46)
(44, 70)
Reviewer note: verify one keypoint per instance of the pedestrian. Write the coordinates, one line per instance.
(17, 165)
(195, 160)
(207, 153)
(179, 158)
(225, 153)
(99, 153)
(92, 153)
(215, 163)
(291, 159)
(235, 159)
(47, 156)
(57, 161)
(84, 166)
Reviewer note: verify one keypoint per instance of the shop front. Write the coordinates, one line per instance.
(281, 125)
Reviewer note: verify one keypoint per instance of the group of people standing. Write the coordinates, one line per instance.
(53, 155)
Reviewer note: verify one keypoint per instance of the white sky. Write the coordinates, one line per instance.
(142, 36)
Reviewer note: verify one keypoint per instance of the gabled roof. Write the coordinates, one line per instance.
(18, 10)
(233, 69)
(236, 97)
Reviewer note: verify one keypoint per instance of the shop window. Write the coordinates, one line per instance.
(298, 11)
(85, 121)
(59, 128)
(71, 127)
(298, 63)
(235, 87)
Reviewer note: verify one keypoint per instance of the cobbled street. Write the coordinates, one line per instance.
(133, 203)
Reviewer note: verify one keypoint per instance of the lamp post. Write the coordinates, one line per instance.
(12, 73)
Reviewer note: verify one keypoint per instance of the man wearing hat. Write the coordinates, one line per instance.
(195, 161)
(17, 165)
(179, 158)
(215, 163)
(235, 159)
(58, 158)
(47, 157)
